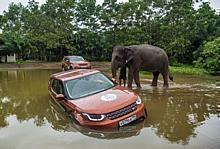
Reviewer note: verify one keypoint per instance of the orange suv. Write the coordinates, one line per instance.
(94, 100)
(75, 62)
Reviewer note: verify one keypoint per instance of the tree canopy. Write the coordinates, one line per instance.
(59, 27)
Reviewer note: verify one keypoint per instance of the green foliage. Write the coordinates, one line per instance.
(209, 56)
(61, 27)
(184, 69)
(91, 45)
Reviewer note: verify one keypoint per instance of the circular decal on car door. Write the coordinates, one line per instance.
(109, 97)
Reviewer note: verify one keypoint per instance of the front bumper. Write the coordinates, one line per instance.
(140, 112)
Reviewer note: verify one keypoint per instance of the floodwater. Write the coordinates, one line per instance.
(186, 115)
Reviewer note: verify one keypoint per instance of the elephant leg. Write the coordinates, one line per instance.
(124, 82)
(137, 79)
(120, 82)
(165, 79)
(155, 78)
(130, 77)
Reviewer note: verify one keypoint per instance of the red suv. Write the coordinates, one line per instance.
(94, 100)
(75, 62)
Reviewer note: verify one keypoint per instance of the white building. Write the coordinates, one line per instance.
(8, 58)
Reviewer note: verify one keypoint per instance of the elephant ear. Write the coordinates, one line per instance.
(118, 51)
(129, 54)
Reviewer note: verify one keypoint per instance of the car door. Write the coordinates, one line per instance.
(56, 89)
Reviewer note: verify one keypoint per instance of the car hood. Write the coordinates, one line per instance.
(106, 101)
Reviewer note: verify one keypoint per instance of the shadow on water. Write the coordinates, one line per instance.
(175, 113)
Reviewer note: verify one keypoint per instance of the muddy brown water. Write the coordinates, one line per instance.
(186, 115)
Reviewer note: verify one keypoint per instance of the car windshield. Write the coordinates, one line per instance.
(87, 85)
(76, 59)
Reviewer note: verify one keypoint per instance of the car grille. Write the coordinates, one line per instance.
(85, 64)
(121, 112)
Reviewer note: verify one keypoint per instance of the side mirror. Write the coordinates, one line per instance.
(60, 97)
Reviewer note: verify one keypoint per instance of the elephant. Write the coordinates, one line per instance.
(141, 57)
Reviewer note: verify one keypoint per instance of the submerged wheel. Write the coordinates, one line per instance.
(63, 69)
(70, 68)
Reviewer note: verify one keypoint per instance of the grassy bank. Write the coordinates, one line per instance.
(183, 69)
(187, 69)
(180, 69)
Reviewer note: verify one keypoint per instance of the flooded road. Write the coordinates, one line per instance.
(186, 115)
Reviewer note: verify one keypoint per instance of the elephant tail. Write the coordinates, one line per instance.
(170, 76)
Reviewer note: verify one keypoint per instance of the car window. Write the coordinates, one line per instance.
(76, 58)
(57, 86)
(87, 85)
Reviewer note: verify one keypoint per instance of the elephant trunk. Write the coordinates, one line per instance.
(114, 70)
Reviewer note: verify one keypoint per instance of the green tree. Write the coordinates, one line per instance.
(175, 30)
(61, 27)
(209, 57)
(206, 27)
(86, 16)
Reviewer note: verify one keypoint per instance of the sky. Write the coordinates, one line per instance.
(5, 3)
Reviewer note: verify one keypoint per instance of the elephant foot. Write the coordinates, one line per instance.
(139, 87)
(130, 87)
(154, 85)
(165, 85)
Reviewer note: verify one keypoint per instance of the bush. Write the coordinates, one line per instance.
(209, 57)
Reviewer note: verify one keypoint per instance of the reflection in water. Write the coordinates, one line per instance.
(21, 95)
(176, 114)
(63, 123)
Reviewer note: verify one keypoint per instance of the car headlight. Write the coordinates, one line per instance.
(138, 101)
(94, 117)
